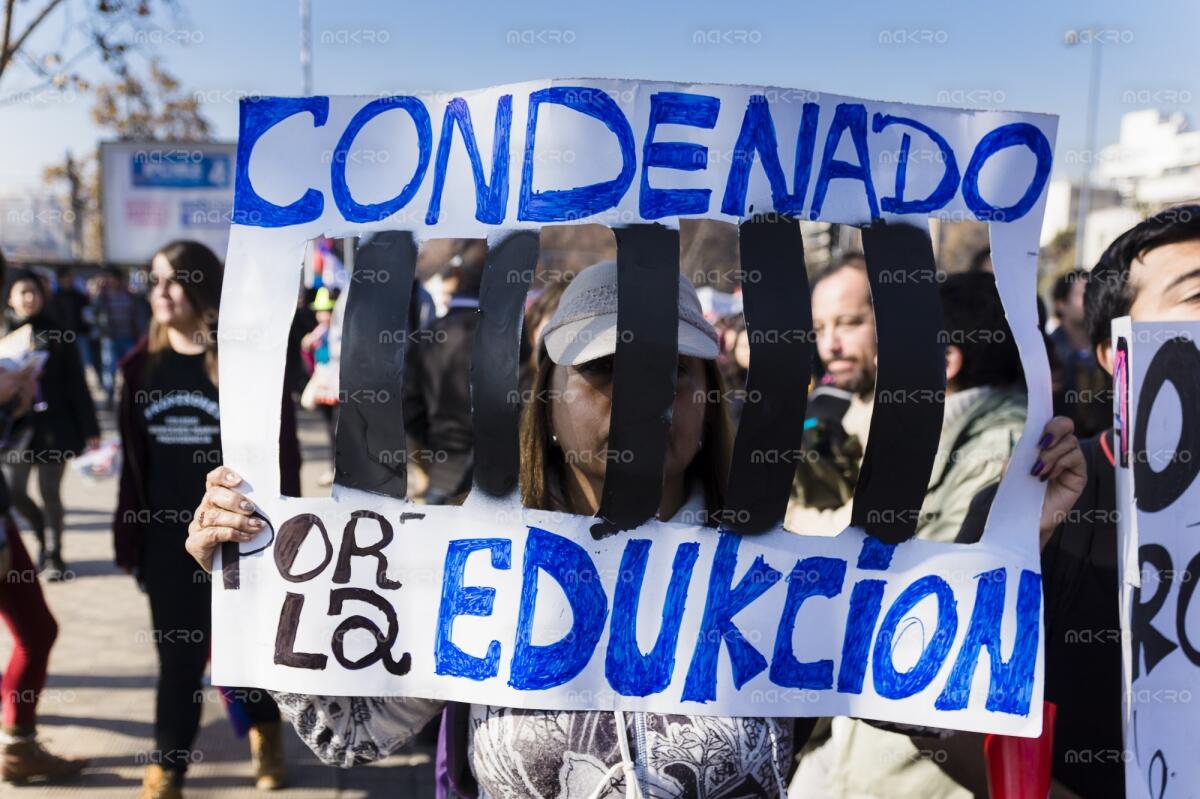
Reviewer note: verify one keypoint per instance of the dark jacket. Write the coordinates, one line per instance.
(67, 416)
(437, 395)
(1085, 393)
(131, 499)
(1083, 625)
(70, 305)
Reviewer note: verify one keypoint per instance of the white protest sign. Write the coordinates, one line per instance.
(153, 192)
(1156, 376)
(368, 594)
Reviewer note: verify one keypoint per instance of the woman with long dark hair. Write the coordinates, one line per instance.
(62, 425)
(170, 434)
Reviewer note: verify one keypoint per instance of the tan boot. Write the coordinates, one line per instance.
(159, 783)
(25, 759)
(266, 750)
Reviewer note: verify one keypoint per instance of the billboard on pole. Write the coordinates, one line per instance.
(153, 192)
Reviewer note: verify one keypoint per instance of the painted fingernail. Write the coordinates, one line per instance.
(1044, 477)
(256, 523)
(245, 504)
(1037, 468)
(1045, 441)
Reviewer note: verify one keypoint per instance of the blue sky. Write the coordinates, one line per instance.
(1007, 55)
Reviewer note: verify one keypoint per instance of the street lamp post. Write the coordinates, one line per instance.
(306, 86)
(1092, 37)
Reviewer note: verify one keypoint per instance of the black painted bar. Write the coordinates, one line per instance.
(496, 363)
(370, 449)
(643, 388)
(775, 301)
(906, 421)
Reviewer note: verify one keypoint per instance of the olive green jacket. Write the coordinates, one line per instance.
(980, 430)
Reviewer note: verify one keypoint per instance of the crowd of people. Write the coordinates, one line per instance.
(154, 361)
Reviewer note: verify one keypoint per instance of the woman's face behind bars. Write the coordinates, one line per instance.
(580, 400)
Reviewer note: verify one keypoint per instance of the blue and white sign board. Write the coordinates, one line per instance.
(1156, 376)
(155, 192)
(369, 594)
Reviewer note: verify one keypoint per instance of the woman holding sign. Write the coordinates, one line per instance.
(170, 430)
(502, 752)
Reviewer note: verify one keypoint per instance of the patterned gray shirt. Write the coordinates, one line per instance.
(564, 754)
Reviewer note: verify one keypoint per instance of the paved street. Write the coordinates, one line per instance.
(99, 700)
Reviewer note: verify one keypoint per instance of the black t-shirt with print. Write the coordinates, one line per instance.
(178, 406)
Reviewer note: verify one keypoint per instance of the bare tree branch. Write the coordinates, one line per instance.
(7, 54)
(7, 36)
(45, 12)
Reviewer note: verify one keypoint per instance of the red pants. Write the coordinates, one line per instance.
(24, 610)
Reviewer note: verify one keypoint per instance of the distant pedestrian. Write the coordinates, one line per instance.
(70, 308)
(62, 425)
(116, 316)
(321, 392)
(27, 617)
(1085, 394)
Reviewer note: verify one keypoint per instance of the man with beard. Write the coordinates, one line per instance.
(839, 409)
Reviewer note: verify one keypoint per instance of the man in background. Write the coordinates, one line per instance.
(839, 409)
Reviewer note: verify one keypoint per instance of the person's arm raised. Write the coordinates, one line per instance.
(1061, 465)
(340, 730)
